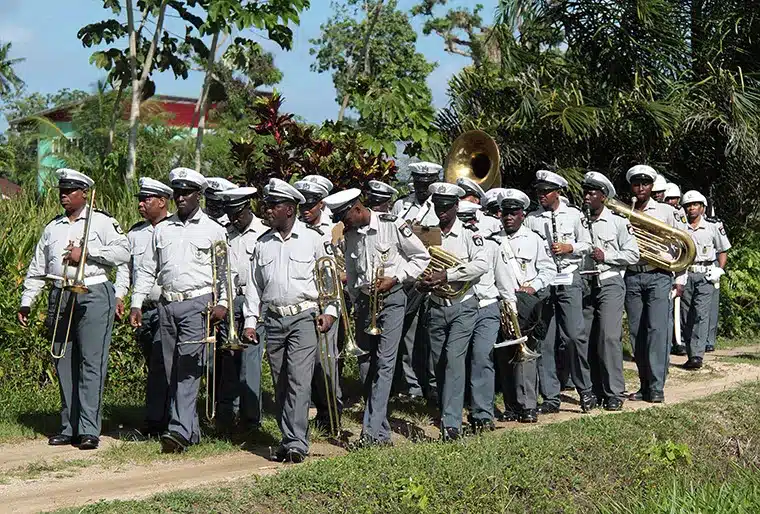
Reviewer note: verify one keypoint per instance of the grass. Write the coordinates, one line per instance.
(744, 358)
(653, 459)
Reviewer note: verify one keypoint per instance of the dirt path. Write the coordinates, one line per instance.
(82, 484)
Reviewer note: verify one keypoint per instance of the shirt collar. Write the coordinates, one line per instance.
(373, 225)
(82, 215)
(456, 229)
(195, 218)
(605, 215)
(562, 208)
(702, 224)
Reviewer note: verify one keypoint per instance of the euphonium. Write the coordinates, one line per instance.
(510, 333)
(441, 260)
(660, 244)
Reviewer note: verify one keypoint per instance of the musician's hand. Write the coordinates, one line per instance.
(598, 255)
(23, 316)
(73, 254)
(343, 278)
(527, 289)
(218, 313)
(437, 278)
(385, 284)
(422, 286)
(119, 309)
(250, 336)
(562, 248)
(678, 288)
(325, 322)
(135, 317)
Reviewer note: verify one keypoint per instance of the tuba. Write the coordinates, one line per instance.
(474, 155)
(660, 245)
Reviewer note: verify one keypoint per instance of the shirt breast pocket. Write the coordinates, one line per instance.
(266, 267)
(605, 243)
(201, 252)
(301, 268)
(384, 255)
(164, 251)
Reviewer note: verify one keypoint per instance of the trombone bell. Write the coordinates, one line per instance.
(474, 155)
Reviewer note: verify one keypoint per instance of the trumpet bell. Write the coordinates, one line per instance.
(474, 155)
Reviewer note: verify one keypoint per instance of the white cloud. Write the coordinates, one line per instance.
(15, 34)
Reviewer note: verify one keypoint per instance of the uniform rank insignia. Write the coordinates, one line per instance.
(679, 217)
(477, 239)
(117, 227)
(722, 229)
(329, 248)
(406, 230)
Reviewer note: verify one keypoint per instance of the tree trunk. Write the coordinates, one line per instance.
(201, 106)
(114, 117)
(364, 58)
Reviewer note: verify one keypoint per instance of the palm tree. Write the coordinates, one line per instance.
(9, 81)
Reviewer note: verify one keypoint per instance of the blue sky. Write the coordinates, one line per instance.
(44, 33)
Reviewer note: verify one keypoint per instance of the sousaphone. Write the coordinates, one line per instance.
(474, 155)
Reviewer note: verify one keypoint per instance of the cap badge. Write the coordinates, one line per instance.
(182, 174)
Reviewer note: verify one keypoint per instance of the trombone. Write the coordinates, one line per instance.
(330, 290)
(335, 268)
(76, 287)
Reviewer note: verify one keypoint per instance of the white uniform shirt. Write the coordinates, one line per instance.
(409, 209)
(282, 271)
(179, 258)
(387, 242)
(241, 251)
(468, 246)
(710, 239)
(487, 225)
(526, 255)
(613, 234)
(485, 289)
(140, 237)
(570, 229)
(107, 247)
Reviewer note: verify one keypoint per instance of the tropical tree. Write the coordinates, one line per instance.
(10, 83)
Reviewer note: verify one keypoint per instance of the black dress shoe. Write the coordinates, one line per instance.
(656, 397)
(529, 416)
(508, 415)
(638, 396)
(450, 434)
(60, 440)
(588, 402)
(693, 363)
(613, 404)
(548, 408)
(482, 425)
(678, 349)
(709, 348)
(89, 442)
(172, 442)
(293, 456)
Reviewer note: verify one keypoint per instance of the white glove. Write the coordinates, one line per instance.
(714, 274)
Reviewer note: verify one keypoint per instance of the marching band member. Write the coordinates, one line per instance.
(327, 184)
(492, 201)
(379, 195)
(240, 371)
(712, 247)
(659, 187)
(214, 203)
(485, 331)
(179, 260)
(282, 280)
(416, 208)
(673, 196)
(712, 333)
(475, 194)
(563, 226)
(648, 295)
(614, 248)
(376, 241)
(450, 322)
(312, 212)
(153, 207)
(82, 369)
(524, 267)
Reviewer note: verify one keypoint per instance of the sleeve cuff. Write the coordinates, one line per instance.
(120, 293)
(26, 301)
(332, 310)
(137, 300)
(250, 322)
(222, 302)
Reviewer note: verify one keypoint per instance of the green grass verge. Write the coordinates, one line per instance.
(606, 463)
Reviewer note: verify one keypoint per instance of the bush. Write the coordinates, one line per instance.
(740, 290)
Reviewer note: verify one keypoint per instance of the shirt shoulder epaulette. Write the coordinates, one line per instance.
(106, 213)
(315, 229)
(262, 236)
(55, 218)
(139, 224)
(713, 219)
(386, 216)
(539, 234)
(495, 238)
(474, 228)
(217, 221)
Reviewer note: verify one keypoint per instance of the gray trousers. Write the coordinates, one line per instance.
(450, 329)
(376, 368)
(695, 313)
(603, 316)
(239, 375)
(482, 374)
(712, 333)
(412, 351)
(291, 351)
(157, 383)
(82, 370)
(646, 303)
(566, 326)
(180, 322)
(318, 388)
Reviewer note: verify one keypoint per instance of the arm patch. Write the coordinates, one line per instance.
(477, 239)
(329, 248)
(405, 230)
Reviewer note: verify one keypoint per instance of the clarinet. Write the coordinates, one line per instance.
(595, 271)
(555, 239)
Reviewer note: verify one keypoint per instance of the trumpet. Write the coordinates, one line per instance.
(375, 301)
(510, 334)
(76, 287)
(329, 290)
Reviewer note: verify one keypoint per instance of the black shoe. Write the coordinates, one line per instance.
(529, 416)
(548, 408)
(588, 402)
(294, 456)
(656, 397)
(709, 348)
(482, 425)
(638, 396)
(89, 442)
(151, 430)
(613, 404)
(508, 415)
(693, 363)
(172, 442)
(678, 349)
(60, 440)
(450, 434)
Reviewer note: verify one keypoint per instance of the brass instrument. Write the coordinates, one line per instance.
(77, 286)
(441, 260)
(329, 289)
(375, 301)
(510, 334)
(661, 245)
(474, 155)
